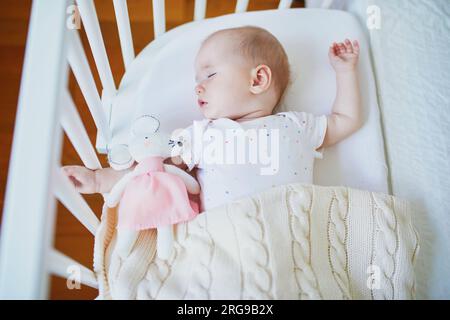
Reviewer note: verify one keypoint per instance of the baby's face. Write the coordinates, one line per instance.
(223, 81)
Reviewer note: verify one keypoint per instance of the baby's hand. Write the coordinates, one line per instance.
(344, 56)
(83, 179)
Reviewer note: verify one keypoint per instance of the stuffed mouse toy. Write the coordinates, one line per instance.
(154, 194)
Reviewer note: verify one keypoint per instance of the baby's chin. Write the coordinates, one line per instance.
(210, 114)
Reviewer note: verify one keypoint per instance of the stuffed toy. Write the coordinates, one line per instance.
(154, 194)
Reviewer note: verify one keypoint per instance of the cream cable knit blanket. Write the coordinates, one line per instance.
(290, 242)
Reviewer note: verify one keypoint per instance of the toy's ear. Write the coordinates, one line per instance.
(145, 125)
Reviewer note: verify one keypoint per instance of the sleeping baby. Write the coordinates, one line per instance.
(242, 147)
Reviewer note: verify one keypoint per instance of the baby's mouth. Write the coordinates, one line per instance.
(202, 103)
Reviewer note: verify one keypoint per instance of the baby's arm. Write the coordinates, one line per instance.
(176, 161)
(93, 181)
(346, 117)
(192, 185)
(103, 180)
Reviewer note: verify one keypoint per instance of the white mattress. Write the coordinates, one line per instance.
(411, 52)
(161, 82)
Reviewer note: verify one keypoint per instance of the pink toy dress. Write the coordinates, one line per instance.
(155, 198)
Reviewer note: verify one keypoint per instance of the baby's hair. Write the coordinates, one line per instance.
(261, 47)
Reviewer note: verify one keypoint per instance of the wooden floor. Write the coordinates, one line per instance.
(71, 237)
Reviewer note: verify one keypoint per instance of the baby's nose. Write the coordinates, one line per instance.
(198, 89)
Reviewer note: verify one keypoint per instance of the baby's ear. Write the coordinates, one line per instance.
(146, 124)
(261, 78)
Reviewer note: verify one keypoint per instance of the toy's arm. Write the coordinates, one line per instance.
(113, 198)
(192, 185)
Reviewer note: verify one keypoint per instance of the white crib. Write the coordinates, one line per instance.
(27, 255)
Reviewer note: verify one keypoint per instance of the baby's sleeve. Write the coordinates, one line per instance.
(314, 128)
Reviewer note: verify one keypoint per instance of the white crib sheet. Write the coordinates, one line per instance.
(411, 53)
(161, 82)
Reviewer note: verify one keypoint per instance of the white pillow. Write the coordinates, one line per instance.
(161, 82)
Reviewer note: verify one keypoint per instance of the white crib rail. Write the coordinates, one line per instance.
(35, 180)
(80, 67)
(285, 4)
(123, 25)
(159, 17)
(28, 216)
(199, 10)
(76, 132)
(324, 4)
(94, 35)
(241, 6)
(74, 202)
(60, 265)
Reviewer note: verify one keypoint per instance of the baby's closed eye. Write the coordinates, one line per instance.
(197, 80)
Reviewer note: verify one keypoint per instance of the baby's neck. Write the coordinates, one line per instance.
(253, 115)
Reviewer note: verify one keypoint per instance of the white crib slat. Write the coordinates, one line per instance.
(74, 202)
(80, 67)
(76, 132)
(326, 4)
(28, 213)
(91, 25)
(61, 265)
(285, 4)
(159, 17)
(241, 6)
(123, 25)
(200, 10)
